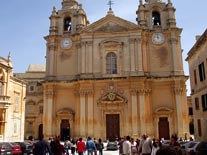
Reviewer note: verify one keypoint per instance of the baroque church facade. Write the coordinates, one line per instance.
(113, 77)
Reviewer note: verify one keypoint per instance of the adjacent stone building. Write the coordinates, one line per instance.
(12, 103)
(33, 77)
(197, 61)
(113, 77)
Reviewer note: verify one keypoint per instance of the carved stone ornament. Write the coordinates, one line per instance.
(112, 98)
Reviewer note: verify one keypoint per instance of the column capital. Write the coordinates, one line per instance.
(142, 91)
(86, 92)
(49, 93)
(178, 91)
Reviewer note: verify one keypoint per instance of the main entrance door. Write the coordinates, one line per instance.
(65, 129)
(164, 128)
(112, 126)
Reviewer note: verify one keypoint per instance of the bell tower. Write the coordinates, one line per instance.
(157, 19)
(65, 24)
(161, 44)
(156, 14)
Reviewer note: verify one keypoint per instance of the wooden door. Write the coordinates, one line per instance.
(112, 126)
(65, 129)
(164, 128)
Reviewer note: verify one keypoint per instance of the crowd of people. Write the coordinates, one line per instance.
(127, 146)
(54, 147)
(147, 146)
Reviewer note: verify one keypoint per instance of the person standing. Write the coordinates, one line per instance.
(73, 146)
(90, 146)
(100, 146)
(134, 149)
(145, 146)
(155, 147)
(80, 146)
(127, 146)
(41, 147)
(67, 146)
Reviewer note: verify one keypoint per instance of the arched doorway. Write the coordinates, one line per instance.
(164, 128)
(65, 129)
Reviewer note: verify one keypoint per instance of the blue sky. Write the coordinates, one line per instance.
(24, 23)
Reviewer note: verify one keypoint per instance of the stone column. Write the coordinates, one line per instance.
(83, 55)
(90, 113)
(48, 113)
(132, 55)
(90, 57)
(174, 52)
(134, 113)
(139, 56)
(51, 59)
(82, 113)
(178, 92)
(142, 111)
(79, 57)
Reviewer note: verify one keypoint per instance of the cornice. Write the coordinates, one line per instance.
(195, 49)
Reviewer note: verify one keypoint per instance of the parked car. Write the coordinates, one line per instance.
(26, 148)
(16, 148)
(5, 148)
(166, 142)
(201, 148)
(112, 145)
(191, 147)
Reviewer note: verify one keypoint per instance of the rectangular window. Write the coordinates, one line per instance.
(199, 128)
(15, 128)
(190, 112)
(197, 103)
(16, 103)
(31, 88)
(195, 77)
(41, 109)
(30, 127)
(201, 71)
(204, 102)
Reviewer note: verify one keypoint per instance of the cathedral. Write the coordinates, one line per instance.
(113, 77)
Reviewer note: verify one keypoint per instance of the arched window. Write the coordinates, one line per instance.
(111, 63)
(67, 24)
(156, 18)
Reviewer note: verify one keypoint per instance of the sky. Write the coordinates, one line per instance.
(24, 23)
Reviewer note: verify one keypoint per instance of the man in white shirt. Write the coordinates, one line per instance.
(145, 146)
(127, 146)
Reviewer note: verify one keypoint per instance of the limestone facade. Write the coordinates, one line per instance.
(12, 103)
(113, 77)
(33, 77)
(197, 61)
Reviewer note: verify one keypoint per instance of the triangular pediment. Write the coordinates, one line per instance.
(112, 97)
(111, 23)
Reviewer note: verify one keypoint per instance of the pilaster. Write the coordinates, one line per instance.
(48, 113)
(134, 116)
(82, 113)
(90, 113)
(178, 92)
(142, 110)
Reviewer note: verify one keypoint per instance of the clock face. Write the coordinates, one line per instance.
(158, 38)
(66, 43)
